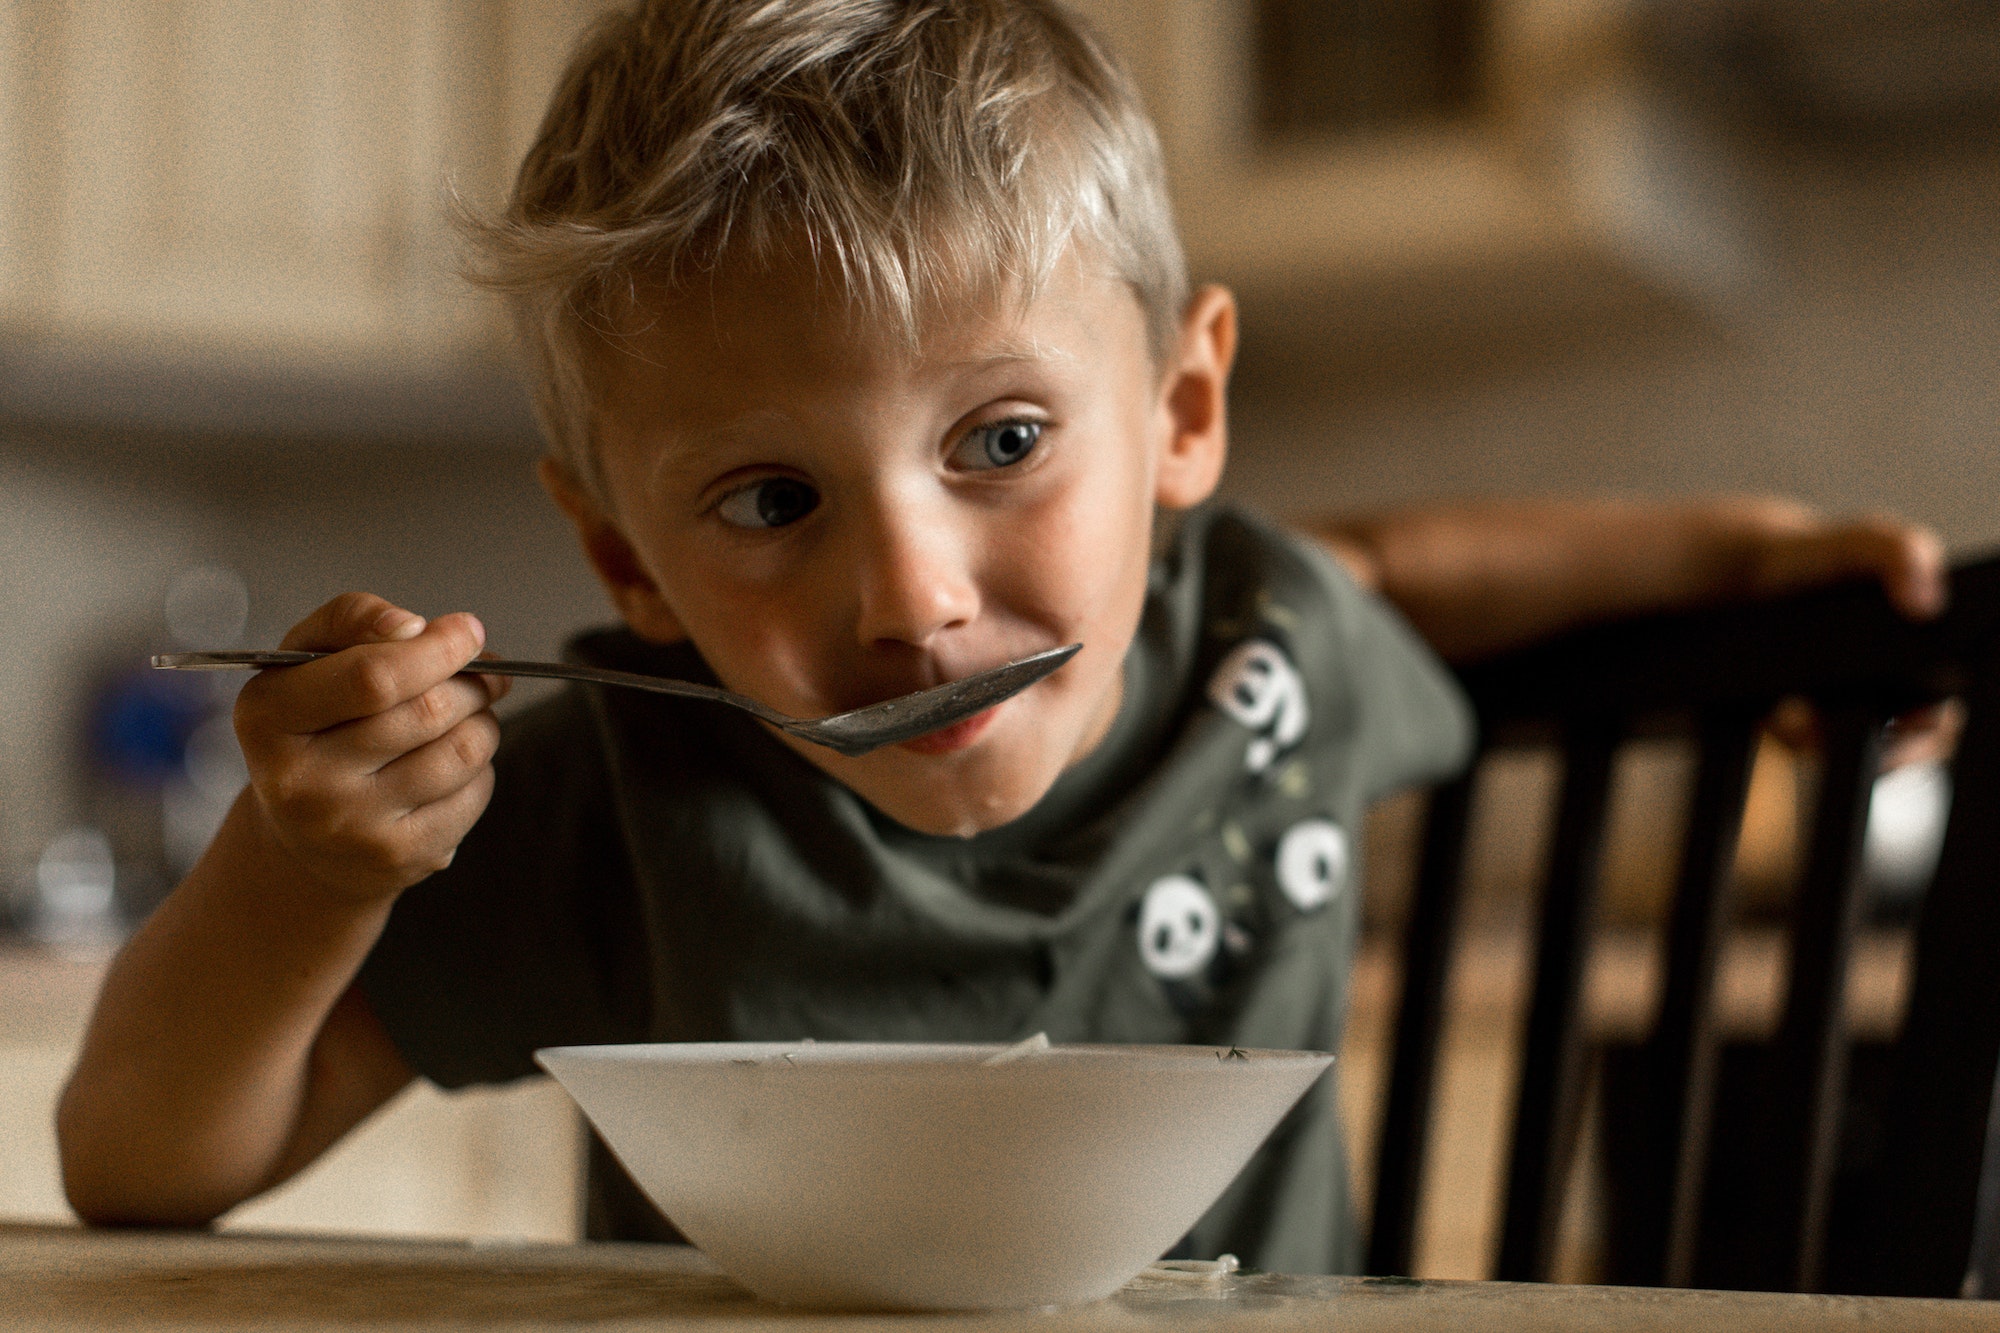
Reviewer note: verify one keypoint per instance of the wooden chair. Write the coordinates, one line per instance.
(1916, 1221)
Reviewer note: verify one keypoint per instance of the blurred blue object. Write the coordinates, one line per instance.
(141, 721)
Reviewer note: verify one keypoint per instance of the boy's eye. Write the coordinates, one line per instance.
(771, 503)
(1001, 444)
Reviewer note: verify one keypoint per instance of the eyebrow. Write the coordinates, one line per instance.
(677, 446)
(738, 426)
(1008, 351)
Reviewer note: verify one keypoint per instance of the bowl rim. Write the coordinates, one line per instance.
(892, 1057)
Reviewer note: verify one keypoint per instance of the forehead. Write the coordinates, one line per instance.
(789, 333)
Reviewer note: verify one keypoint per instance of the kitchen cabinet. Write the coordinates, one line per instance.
(230, 215)
(233, 214)
(1560, 185)
(488, 1163)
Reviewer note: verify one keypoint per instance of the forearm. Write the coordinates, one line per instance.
(1481, 577)
(197, 1085)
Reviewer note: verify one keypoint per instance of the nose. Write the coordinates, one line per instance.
(914, 570)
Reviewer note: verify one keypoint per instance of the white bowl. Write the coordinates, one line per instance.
(878, 1176)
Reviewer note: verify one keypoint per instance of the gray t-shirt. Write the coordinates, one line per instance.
(652, 869)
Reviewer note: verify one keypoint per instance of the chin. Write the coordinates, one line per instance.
(951, 823)
(955, 796)
(949, 812)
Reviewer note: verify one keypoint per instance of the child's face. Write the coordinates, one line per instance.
(835, 518)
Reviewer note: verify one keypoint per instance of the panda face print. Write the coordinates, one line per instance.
(1313, 863)
(1258, 686)
(1179, 928)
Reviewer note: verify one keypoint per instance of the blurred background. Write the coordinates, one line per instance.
(1648, 247)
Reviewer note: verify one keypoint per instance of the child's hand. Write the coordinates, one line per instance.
(1794, 549)
(1791, 548)
(369, 767)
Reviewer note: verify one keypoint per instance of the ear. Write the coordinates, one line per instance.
(632, 589)
(1194, 396)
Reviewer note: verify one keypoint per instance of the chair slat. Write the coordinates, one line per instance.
(1921, 1213)
(1908, 1225)
(1812, 1038)
(1406, 1112)
(1551, 1089)
(1684, 1046)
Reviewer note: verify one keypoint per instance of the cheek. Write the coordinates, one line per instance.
(755, 632)
(1088, 547)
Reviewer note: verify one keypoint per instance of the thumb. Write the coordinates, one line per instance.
(353, 618)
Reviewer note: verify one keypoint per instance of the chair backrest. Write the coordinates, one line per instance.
(1715, 675)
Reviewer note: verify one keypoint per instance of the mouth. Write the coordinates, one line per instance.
(957, 736)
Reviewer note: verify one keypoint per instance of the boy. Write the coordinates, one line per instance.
(863, 341)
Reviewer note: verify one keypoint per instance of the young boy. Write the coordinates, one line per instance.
(863, 341)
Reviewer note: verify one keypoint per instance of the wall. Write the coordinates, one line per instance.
(1863, 374)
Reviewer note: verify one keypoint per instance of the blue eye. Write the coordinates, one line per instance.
(1001, 444)
(772, 503)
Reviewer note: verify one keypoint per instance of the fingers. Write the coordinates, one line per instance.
(367, 849)
(355, 825)
(441, 767)
(351, 618)
(1923, 735)
(1920, 585)
(367, 676)
(1908, 560)
(438, 826)
(372, 742)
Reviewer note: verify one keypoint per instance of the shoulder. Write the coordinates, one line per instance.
(1256, 577)
(1285, 620)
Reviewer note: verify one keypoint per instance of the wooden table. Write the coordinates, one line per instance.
(55, 1280)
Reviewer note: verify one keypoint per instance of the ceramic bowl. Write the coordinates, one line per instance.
(867, 1176)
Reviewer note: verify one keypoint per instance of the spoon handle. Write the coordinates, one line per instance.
(245, 659)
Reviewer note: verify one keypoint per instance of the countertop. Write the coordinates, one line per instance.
(65, 1280)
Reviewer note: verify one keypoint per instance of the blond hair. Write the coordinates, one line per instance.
(922, 150)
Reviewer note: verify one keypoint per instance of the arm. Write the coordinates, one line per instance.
(229, 1048)
(1477, 578)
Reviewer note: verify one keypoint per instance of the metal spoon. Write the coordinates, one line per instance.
(851, 733)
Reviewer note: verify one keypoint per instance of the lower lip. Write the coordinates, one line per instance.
(955, 737)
